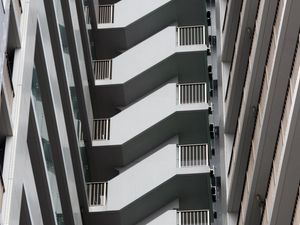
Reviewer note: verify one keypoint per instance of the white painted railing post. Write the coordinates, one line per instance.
(205, 92)
(179, 94)
(207, 161)
(112, 13)
(208, 218)
(179, 156)
(104, 194)
(178, 37)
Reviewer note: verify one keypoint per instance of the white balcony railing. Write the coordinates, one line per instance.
(102, 69)
(191, 35)
(97, 193)
(7, 85)
(193, 155)
(101, 129)
(192, 93)
(193, 217)
(105, 14)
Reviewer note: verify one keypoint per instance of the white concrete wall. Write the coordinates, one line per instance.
(146, 55)
(143, 177)
(157, 106)
(167, 218)
(128, 11)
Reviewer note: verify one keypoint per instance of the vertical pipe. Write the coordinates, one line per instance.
(203, 34)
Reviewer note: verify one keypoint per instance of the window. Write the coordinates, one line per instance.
(37, 103)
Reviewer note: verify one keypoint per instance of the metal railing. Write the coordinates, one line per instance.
(102, 69)
(190, 35)
(97, 193)
(192, 93)
(105, 14)
(193, 217)
(101, 129)
(193, 155)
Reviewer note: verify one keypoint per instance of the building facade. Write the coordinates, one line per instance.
(260, 104)
(109, 112)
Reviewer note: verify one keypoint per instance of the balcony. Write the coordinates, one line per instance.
(193, 155)
(178, 50)
(129, 22)
(172, 171)
(126, 12)
(118, 140)
(169, 99)
(170, 41)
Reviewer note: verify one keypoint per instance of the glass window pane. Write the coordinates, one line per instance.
(46, 147)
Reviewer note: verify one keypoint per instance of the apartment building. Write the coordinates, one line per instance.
(109, 112)
(260, 104)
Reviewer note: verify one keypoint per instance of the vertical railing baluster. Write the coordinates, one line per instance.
(192, 93)
(193, 155)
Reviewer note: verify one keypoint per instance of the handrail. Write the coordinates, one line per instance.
(102, 69)
(192, 93)
(105, 13)
(190, 35)
(97, 193)
(193, 217)
(101, 129)
(193, 155)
